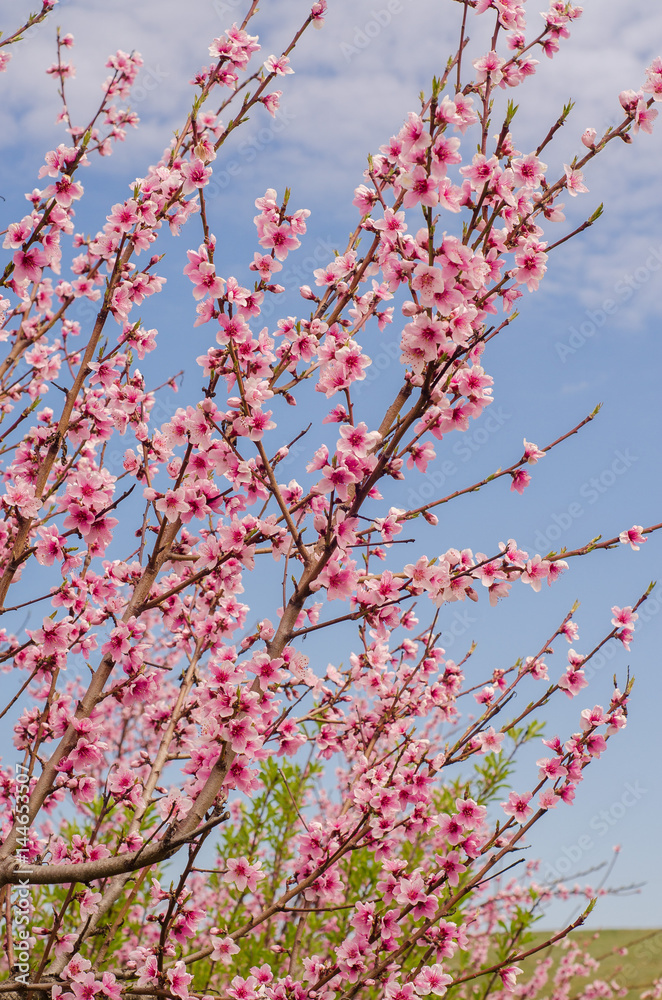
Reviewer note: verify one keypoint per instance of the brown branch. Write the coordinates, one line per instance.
(12, 871)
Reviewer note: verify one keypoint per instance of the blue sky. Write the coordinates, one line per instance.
(592, 333)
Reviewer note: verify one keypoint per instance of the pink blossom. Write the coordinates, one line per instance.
(179, 980)
(64, 191)
(537, 569)
(451, 828)
(485, 695)
(196, 175)
(124, 217)
(509, 976)
(223, 948)
(570, 630)
(653, 83)
(28, 264)
(53, 636)
(409, 891)
(317, 12)
(119, 642)
(644, 118)
(551, 768)
(548, 799)
(172, 504)
(628, 100)
(206, 281)
(85, 986)
(531, 265)
(451, 866)
(633, 537)
(195, 695)
(518, 806)
(595, 744)
(121, 781)
(338, 580)
(573, 681)
(110, 987)
(18, 233)
(49, 546)
(528, 170)
(532, 452)
(242, 874)
(174, 805)
(391, 525)
(280, 238)
(243, 989)
(21, 495)
(149, 971)
(481, 171)
(89, 904)
(265, 265)
(420, 455)
(272, 101)
(432, 979)
(279, 65)
(336, 479)
(469, 813)
(623, 617)
(76, 967)
(574, 181)
(357, 440)
(489, 65)
(490, 741)
(87, 754)
(521, 480)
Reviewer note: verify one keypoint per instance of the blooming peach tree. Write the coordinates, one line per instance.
(197, 807)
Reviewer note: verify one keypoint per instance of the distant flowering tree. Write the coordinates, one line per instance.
(338, 830)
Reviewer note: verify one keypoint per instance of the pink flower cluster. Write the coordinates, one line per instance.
(154, 706)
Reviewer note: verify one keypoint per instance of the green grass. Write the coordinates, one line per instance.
(636, 970)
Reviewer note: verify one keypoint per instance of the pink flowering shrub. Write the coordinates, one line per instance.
(200, 808)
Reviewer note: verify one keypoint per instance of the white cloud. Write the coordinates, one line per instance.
(347, 99)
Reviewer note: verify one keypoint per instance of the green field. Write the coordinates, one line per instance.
(636, 970)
